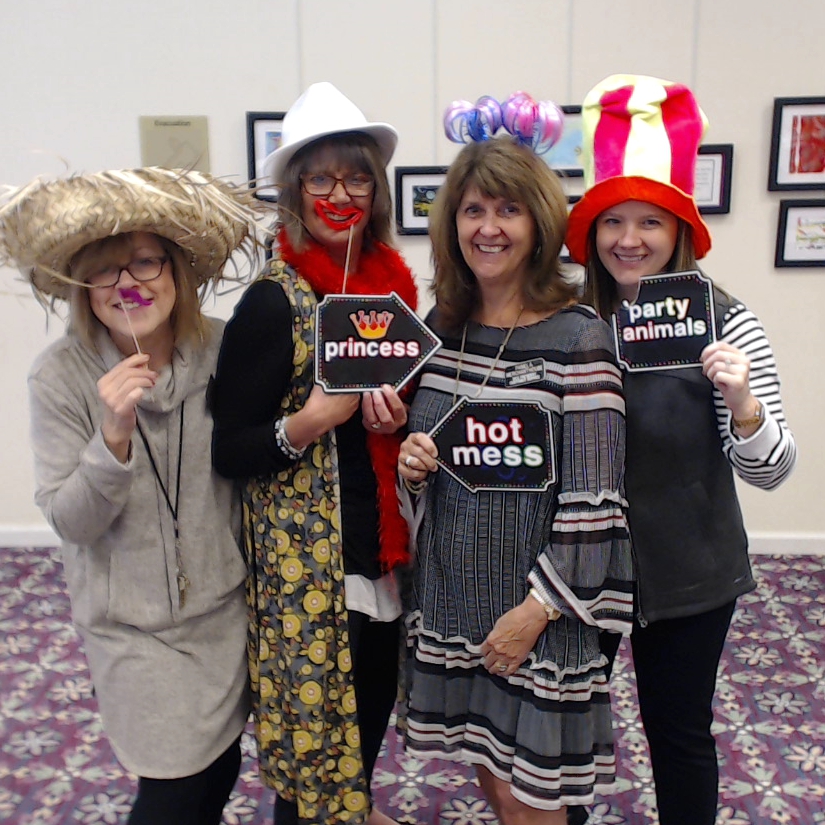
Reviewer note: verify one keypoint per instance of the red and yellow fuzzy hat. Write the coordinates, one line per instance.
(640, 139)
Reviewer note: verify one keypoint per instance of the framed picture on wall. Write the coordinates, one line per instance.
(263, 136)
(714, 166)
(800, 235)
(797, 144)
(415, 191)
(566, 156)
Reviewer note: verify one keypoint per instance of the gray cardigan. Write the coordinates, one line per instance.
(171, 682)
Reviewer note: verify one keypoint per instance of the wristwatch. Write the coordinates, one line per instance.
(757, 418)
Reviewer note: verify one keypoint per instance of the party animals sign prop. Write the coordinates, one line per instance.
(364, 341)
(497, 445)
(669, 324)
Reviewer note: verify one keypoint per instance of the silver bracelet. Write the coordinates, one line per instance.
(283, 442)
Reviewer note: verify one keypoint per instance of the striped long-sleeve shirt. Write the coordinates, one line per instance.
(767, 457)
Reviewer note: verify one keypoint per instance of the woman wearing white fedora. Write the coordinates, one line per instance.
(322, 526)
(150, 533)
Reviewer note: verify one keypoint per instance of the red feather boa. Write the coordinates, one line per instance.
(381, 270)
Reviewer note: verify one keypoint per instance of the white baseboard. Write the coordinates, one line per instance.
(795, 544)
(29, 535)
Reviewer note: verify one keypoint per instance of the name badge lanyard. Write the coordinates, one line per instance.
(182, 581)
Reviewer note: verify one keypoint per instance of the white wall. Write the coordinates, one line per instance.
(74, 77)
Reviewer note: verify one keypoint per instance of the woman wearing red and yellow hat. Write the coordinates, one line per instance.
(687, 429)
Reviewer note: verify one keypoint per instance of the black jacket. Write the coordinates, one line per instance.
(685, 522)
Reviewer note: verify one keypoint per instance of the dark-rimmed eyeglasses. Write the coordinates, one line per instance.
(143, 269)
(356, 185)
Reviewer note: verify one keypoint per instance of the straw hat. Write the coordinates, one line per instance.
(640, 139)
(320, 111)
(45, 223)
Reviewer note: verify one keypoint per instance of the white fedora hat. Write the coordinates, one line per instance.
(320, 111)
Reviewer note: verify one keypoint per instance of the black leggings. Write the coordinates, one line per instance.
(374, 647)
(676, 662)
(191, 800)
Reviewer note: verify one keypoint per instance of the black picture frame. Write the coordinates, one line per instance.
(565, 158)
(263, 134)
(800, 234)
(714, 172)
(415, 191)
(798, 123)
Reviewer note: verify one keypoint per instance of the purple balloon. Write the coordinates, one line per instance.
(488, 113)
(538, 125)
(464, 121)
(455, 121)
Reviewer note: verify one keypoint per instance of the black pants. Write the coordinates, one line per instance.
(374, 647)
(191, 800)
(676, 662)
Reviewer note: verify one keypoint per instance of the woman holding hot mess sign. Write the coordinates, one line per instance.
(512, 585)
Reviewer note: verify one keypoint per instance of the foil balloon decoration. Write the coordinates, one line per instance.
(537, 124)
(465, 121)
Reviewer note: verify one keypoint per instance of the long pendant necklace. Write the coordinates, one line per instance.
(182, 581)
(494, 364)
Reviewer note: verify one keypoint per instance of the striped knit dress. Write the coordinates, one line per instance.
(547, 728)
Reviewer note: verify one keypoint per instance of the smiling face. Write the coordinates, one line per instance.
(328, 218)
(496, 236)
(633, 239)
(149, 303)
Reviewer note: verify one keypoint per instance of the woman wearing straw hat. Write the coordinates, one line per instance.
(687, 429)
(323, 531)
(513, 582)
(121, 437)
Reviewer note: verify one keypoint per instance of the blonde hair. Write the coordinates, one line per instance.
(600, 289)
(499, 168)
(356, 151)
(188, 323)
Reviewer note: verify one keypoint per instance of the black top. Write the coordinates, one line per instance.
(685, 522)
(253, 374)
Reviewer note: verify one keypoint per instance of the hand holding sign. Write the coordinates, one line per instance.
(729, 370)
(417, 457)
(319, 415)
(383, 410)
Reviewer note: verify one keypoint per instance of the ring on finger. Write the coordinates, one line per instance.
(408, 462)
(376, 426)
(502, 668)
(727, 362)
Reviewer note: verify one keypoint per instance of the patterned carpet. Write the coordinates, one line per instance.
(56, 766)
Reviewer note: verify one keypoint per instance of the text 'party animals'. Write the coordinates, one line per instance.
(666, 318)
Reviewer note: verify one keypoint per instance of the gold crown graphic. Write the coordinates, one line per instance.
(372, 326)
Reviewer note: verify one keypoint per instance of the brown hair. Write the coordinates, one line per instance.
(188, 324)
(499, 168)
(356, 151)
(600, 289)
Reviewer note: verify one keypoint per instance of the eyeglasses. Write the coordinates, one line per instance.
(143, 269)
(356, 186)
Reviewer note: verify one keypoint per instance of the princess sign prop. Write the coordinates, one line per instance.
(668, 325)
(365, 341)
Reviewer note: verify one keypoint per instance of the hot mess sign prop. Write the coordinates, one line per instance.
(668, 325)
(364, 341)
(497, 445)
